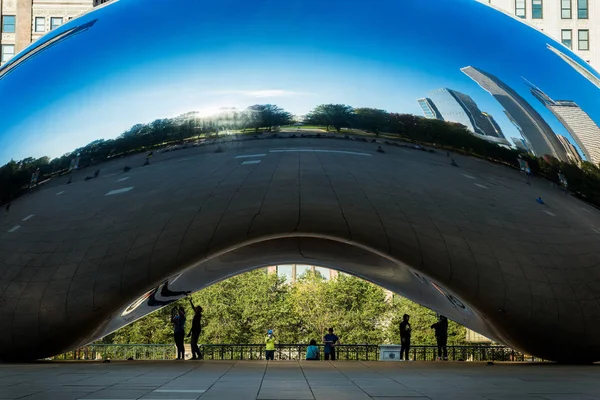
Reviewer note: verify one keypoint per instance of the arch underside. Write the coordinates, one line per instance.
(487, 257)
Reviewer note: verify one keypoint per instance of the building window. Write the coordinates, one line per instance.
(566, 37)
(520, 8)
(584, 39)
(582, 9)
(55, 22)
(565, 9)
(8, 51)
(8, 24)
(40, 24)
(537, 9)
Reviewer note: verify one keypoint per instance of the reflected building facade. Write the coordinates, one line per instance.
(538, 133)
(458, 107)
(25, 21)
(574, 23)
(571, 150)
(582, 128)
(429, 109)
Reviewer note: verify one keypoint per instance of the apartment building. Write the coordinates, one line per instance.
(22, 22)
(574, 23)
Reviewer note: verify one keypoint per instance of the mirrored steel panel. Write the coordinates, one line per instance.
(441, 149)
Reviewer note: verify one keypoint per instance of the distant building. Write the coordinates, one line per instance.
(25, 21)
(534, 128)
(580, 125)
(292, 272)
(458, 107)
(520, 144)
(572, 152)
(429, 109)
(497, 131)
(574, 23)
(474, 337)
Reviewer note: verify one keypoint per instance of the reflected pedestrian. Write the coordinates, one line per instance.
(195, 331)
(441, 336)
(405, 333)
(330, 340)
(178, 321)
(270, 345)
(312, 351)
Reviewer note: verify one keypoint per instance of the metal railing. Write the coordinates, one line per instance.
(345, 352)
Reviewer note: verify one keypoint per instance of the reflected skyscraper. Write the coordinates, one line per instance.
(458, 107)
(582, 128)
(572, 152)
(429, 109)
(576, 66)
(538, 133)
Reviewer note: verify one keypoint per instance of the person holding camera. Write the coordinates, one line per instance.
(270, 345)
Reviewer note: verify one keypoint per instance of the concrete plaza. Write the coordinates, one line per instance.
(352, 380)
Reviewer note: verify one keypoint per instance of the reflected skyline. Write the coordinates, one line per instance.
(380, 79)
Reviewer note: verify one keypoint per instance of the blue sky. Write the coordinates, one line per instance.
(140, 63)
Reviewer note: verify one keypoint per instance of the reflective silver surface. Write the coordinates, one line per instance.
(83, 254)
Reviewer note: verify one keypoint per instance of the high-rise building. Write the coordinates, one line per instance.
(538, 133)
(580, 125)
(25, 21)
(572, 152)
(591, 76)
(429, 109)
(574, 23)
(497, 131)
(458, 107)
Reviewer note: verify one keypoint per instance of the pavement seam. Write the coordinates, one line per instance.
(306, 379)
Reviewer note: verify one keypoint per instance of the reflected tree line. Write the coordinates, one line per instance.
(15, 176)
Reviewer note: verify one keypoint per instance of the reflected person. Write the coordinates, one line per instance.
(178, 321)
(195, 331)
(441, 336)
(405, 333)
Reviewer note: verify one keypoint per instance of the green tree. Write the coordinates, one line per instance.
(372, 120)
(337, 115)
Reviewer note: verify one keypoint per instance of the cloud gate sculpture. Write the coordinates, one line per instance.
(153, 149)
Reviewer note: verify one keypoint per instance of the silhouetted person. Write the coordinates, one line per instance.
(270, 345)
(195, 331)
(312, 351)
(96, 173)
(330, 340)
(8, 207)
(441, 336)
(405, 332)
(178, 320)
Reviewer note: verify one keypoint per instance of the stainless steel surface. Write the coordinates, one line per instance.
(79, 260)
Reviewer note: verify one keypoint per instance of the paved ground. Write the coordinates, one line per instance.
(292, 380)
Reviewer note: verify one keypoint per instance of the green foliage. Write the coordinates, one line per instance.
(337, 115)
(241, 310)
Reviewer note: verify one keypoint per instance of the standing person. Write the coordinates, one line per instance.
(270, 345)
(195, 331)
(312, 351)
(405, 332)
(178, 321)
(441, 336)
(330, 340)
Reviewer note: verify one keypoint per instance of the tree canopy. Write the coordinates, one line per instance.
(242, 308)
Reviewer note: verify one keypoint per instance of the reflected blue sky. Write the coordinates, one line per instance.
(139, 63)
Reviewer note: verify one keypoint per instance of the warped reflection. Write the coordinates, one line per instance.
(152, 154)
